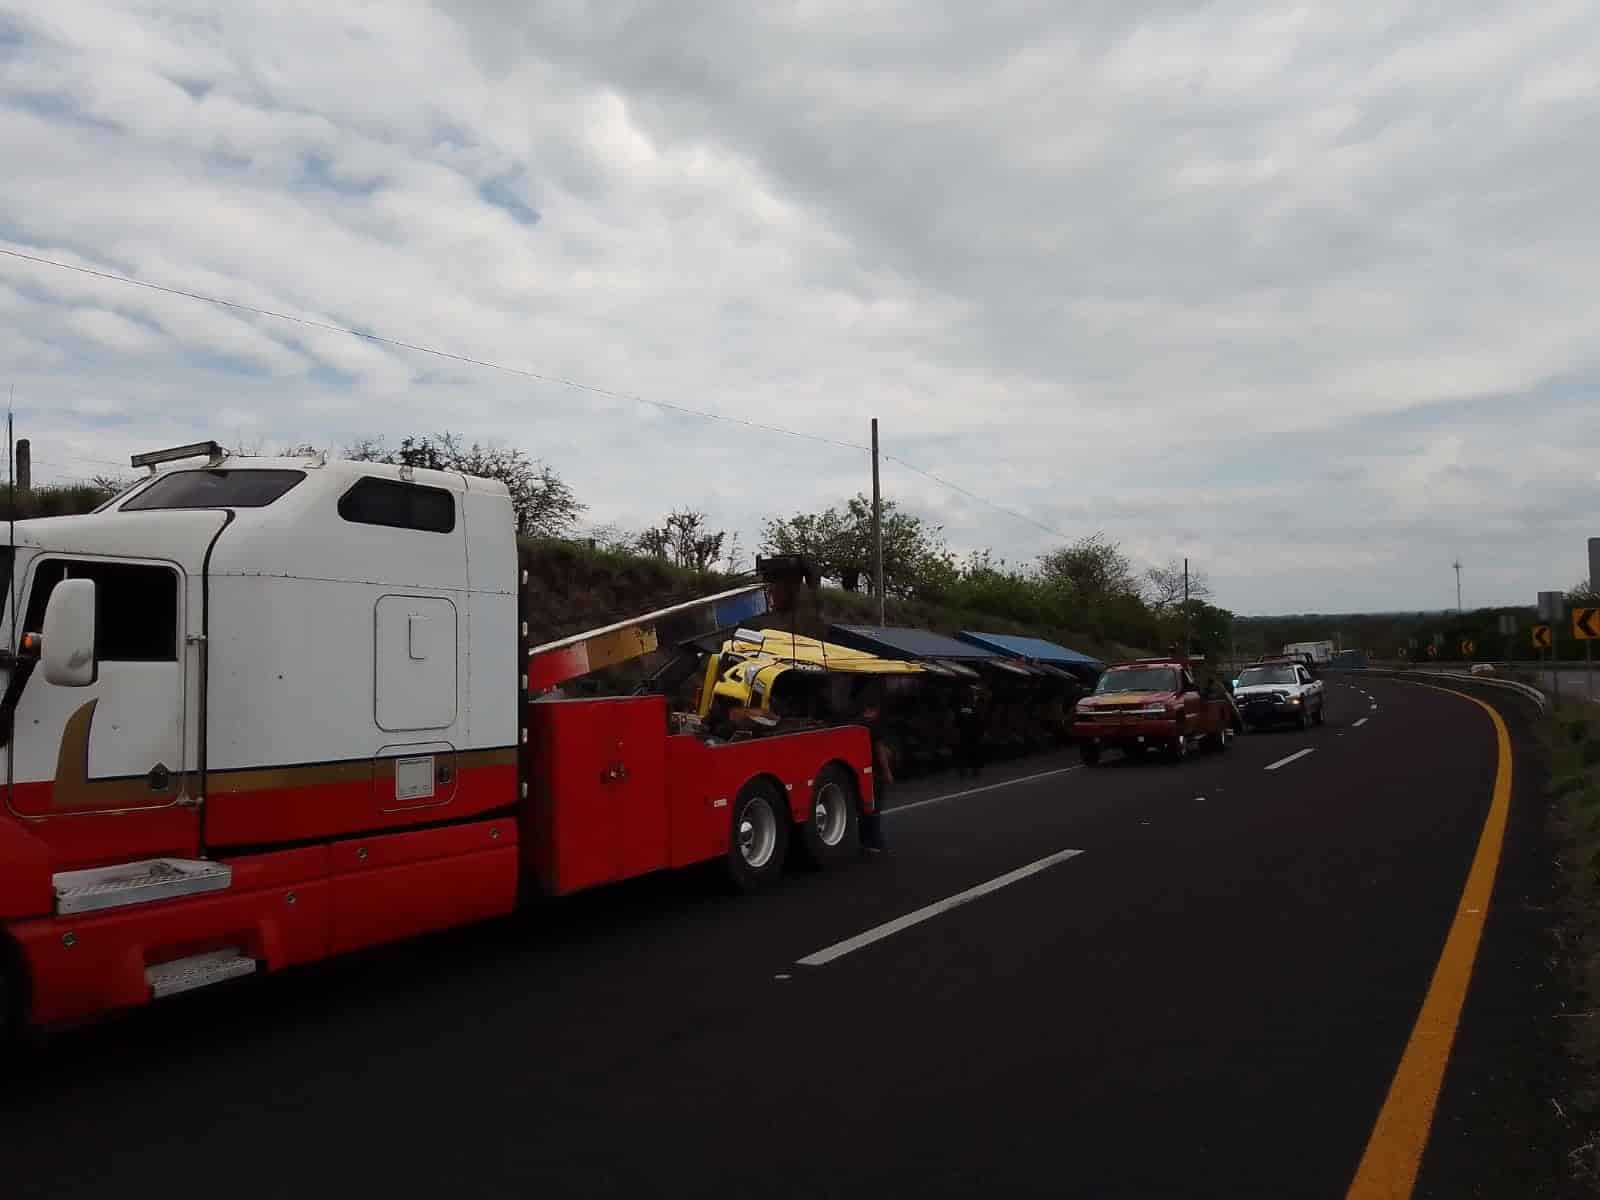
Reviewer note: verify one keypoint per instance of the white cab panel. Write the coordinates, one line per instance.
(415, 680)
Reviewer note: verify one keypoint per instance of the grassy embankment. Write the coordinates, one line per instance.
(1574, 747)
(573, 588)
(53, 500)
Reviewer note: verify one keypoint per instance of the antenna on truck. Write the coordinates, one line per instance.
(13, 644)
(11, 512)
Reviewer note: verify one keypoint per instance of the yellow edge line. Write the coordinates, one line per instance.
(1394, 1152)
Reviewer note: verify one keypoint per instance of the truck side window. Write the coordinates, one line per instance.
(399, 505)
(136, 607)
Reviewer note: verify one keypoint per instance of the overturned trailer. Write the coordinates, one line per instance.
(1025, 705)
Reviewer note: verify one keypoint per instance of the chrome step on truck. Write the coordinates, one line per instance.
(137, 883)
(196, 971)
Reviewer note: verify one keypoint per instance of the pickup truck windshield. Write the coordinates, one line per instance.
(215, 489)
(1147, 679)
(1257, 675)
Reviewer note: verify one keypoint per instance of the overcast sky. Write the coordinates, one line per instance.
(1305, 293)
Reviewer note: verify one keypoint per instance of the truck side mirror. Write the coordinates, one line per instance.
(68, 651)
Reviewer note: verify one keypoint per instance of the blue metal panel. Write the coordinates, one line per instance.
(1015, 646)
(729, 613)
(896, 641)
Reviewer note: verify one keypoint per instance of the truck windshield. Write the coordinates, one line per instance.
(1146, 679)
(1257, 675)
(215, 489)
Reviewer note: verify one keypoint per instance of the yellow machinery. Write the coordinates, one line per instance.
(768, 675)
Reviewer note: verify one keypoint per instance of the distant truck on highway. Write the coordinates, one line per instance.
(1319, 653)
(258, 713)
(1151, 706)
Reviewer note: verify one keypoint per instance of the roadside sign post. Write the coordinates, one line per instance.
(1508, 635)
(1543, 641)
(1550, 606)
(1586, 628)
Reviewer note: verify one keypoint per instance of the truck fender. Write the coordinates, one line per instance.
(853, 774)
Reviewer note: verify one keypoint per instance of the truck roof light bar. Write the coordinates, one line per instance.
(154, 458)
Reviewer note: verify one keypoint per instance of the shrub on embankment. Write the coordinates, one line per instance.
(573, 587)
(1573, 740)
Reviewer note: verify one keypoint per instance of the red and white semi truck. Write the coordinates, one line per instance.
(260, 712)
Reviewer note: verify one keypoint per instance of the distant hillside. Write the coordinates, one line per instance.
(1384, 635)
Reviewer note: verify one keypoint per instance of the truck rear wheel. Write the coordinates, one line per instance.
(832, 832)
(759, 838)
(12, 1026)
(1090, 755)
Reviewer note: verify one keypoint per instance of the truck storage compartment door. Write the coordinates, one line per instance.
(415, 775)
(597, 795)
(415, 676)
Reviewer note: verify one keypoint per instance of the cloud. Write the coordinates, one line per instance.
(1302, 293)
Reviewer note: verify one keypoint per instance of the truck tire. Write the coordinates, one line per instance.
(1090, 755)
(759, 837)
(14, 1034)
(832, 832)
(1305, 719)
(1178, 751)
(1322, 712)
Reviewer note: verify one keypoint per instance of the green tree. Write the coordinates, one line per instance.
(916, 562)
(684, 539)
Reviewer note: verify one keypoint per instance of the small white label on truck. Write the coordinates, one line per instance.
(413, 777)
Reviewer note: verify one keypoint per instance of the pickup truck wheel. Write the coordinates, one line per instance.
(759, 837)
(1090, 755)
(1305, 719)
(1322, 712)
(1179, 750)
(832, 832)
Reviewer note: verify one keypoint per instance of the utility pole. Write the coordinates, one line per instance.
(1185, 655)
(24, 466)
(1457, 566)
(877, 526)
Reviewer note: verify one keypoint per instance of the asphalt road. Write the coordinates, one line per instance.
(1210, 999)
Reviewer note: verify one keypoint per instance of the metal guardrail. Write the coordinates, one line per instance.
(1526, 691)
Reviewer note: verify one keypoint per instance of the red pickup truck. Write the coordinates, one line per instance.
(1150, 705)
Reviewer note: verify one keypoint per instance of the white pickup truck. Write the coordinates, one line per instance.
(1279, 693)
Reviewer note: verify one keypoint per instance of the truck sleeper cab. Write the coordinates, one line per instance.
(260, 713)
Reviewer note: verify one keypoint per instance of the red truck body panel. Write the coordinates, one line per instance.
(311, 802)
(610, 796)
(283, 908)
(613, 796)
(86, 839)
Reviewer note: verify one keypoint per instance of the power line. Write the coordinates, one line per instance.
(522, 372)
(956, 487)
(450, 356)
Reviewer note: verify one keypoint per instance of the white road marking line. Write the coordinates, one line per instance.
(988, 787)
(1284, 762)
(1374, 708)
(1360, 723)
(889, 928)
